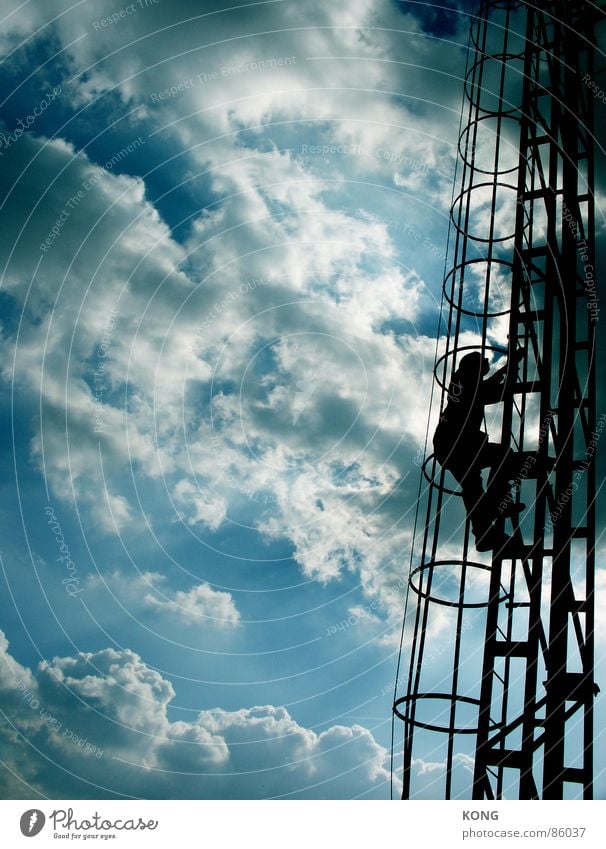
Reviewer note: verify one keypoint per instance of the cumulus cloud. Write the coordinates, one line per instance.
(197, 604)
(98, 722)
(428, 777)
(237, 363)
(150, 592)
(235, 340)
(244, 348)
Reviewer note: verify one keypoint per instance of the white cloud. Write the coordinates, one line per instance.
(299, 310)
(428, 778)
(278, 281)
(138, 326)
(200, 605)
(101, 721)
(198, 507)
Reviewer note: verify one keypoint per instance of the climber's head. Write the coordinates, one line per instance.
(472, 367)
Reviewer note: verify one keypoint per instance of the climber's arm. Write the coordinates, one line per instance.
(494, 386)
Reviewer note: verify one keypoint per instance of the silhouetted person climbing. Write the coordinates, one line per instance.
(462, 447)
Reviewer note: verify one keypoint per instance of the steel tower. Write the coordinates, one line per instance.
(497, 685)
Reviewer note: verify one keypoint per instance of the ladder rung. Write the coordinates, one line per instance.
(528, 386)
(573, 686)
(537, 250)
(573, 773)
(531, 316)
(511, 648)
(537, 194)
(504, 757)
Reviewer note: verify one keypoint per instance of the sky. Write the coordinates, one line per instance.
(224, 236)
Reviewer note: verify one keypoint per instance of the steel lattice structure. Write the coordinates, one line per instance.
(516, 707)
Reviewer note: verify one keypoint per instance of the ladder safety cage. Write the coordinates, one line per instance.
(499, 646)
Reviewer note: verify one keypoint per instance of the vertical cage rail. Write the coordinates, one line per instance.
(521, 278)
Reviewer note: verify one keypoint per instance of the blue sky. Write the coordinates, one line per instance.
(222, 259)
